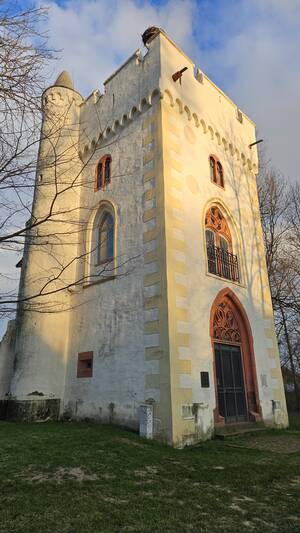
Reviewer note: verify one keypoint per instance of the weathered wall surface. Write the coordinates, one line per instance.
(48, 265)
(107, 314)
(199, 120)
(7, 359)
(123, 320)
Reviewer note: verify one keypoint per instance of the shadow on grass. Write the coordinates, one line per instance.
(84, 477)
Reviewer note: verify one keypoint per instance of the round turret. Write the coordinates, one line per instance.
(64, 80)
(61, 93)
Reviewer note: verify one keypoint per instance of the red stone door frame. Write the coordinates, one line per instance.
(238, 333)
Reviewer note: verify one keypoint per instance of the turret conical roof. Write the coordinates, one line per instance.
(64, 80)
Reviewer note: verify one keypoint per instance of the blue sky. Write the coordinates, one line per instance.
(249, 48)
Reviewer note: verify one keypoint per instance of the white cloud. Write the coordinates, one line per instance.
(9, 279)
(95, 36)
(259, 63)
(254, 54)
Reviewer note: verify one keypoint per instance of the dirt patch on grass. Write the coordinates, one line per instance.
(108, 476)
(274, 443)
(60, 475)
(114, 501)
(295, 481)
(244, 499)
(237, 508)
(132, 443)
(148, 471)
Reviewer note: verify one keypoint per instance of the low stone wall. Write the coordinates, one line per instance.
(30, 410)
(7, 359)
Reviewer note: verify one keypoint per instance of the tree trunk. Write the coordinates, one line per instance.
(291, 360)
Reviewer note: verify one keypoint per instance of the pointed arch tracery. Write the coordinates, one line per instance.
(215, 220)
(225, 325)
(221, 260)
(229, 324)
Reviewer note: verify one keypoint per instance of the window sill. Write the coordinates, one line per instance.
(102, 188)
(218, 185)
(105, 262)
(98, 281)
(226, 280)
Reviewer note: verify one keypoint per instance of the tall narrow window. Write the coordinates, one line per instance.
(99, 175)
(220, 179)
(103, 172)
(211, 251)
(212, 165)
(216, 171)
(106, 238)
(224, 256)
(107, 170)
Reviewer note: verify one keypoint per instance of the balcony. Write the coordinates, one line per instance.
(222, 263)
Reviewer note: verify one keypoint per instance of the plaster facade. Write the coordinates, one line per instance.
(146, 316)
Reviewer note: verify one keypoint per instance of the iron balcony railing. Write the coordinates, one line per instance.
(222, 263)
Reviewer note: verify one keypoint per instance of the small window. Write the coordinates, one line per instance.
(204, 376)
(107, 171)
(85, 365)
(99, 175)
(239, 115)
(220, 180)
(212, 164)
(216, 171)
(103, 173)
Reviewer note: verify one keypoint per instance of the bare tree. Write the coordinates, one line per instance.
(280, 215)
(35, 160)
(23, 60)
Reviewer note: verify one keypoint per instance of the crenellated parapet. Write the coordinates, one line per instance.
(207, 128)
(117, 124)
(60, 96)
(191, 116)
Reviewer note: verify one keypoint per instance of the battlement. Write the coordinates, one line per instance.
(147, 76)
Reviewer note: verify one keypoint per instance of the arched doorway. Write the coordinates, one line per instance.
(234, 364)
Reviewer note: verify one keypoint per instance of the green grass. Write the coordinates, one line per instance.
(133, 485)
(294, 419)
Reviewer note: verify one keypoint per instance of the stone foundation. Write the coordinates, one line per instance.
(30, 410)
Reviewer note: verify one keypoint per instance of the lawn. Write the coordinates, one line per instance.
(83, 477)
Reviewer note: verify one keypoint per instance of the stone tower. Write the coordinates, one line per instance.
(156, 284)
(41, 340)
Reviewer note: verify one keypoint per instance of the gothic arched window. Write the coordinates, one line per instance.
(103, 172)
(105, 245)
(216, 171)
(220, 259)
(101, 244)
